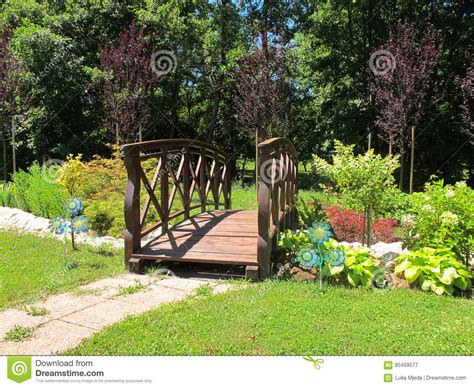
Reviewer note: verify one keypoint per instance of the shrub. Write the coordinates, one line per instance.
(310, 212)
(348, 225)
(442, 218)
(435, 270)
(364, 181)
(36, 192)
(71, 175)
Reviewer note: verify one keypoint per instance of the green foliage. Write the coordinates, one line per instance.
(442, 216)
(435, 270)
(36, 192)
(292, 241)
(7, 194)
(19, 333)
(359, 269)
(365, 181)
(71, 175)
(132, 289)
(310, 212)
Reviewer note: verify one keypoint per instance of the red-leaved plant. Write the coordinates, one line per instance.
(347, 225)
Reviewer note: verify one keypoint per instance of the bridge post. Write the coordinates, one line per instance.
(132, 208)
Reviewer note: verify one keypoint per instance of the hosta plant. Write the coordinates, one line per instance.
(359, 269)
(434, 270)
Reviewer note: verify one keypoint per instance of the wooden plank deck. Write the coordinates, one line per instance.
(218, 237)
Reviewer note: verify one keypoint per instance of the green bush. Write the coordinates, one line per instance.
(36, 191)
(309, 213)
(435, 270)
(442, 218)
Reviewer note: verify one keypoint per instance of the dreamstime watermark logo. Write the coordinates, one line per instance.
(382, 62)
(163, 62)
(51, 170)
(19, 368)
(272, 171)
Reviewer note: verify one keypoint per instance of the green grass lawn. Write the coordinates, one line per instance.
(289, 318)
(32, 267)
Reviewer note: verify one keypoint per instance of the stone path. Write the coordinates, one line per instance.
(71, 317)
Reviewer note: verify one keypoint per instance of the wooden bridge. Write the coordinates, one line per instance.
(188, 183)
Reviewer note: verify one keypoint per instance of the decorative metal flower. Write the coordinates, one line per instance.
(80, 224)
(57, 225)
(308, 257)
(319, 232)
(74, 206)
(336, 258)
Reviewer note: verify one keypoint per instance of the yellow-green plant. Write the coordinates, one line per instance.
(435, 270)
(359, 268)
(71, 174)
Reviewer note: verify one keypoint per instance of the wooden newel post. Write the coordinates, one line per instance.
(186, 182)
(227, 185)
(264, 217)
(164, 190)
(132, 209)
(412, 158)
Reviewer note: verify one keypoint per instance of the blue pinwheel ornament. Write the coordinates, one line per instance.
(319, 232)
(74, 206)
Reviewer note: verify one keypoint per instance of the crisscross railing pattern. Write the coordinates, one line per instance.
(187, 175)
(278, 187)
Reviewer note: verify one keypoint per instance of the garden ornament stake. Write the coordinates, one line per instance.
(73, 222)
(318, 254)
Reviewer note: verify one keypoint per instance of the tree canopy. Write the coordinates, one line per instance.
(62, 56)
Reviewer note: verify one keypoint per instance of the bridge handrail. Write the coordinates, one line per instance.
(209, 175)
(277, 192)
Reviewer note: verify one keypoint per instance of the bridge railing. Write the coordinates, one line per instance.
(277, 191)
(185, 169)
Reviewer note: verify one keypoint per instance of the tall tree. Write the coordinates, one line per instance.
(10, 71)
(128, 80)
(402, 84)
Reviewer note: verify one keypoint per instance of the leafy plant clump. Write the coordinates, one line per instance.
(36, 191)
(435, 270)
(360, 267)
(442, 218)
(310, 212)
(19, 333)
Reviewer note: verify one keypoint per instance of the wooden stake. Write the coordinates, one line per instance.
(412, 159)
(13, 145)
(390, 150)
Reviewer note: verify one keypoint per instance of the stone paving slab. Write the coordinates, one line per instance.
(71, 318)
(64, 304)
(11, 318)
(51, 338)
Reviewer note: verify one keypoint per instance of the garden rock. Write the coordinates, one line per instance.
(12, 219)
(299, 274)
(395, 281)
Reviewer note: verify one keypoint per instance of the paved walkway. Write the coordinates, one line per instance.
(71, 317)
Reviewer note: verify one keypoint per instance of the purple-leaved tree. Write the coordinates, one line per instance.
(128, 80)
(405, 88)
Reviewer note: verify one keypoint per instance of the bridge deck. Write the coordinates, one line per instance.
(217, 237)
